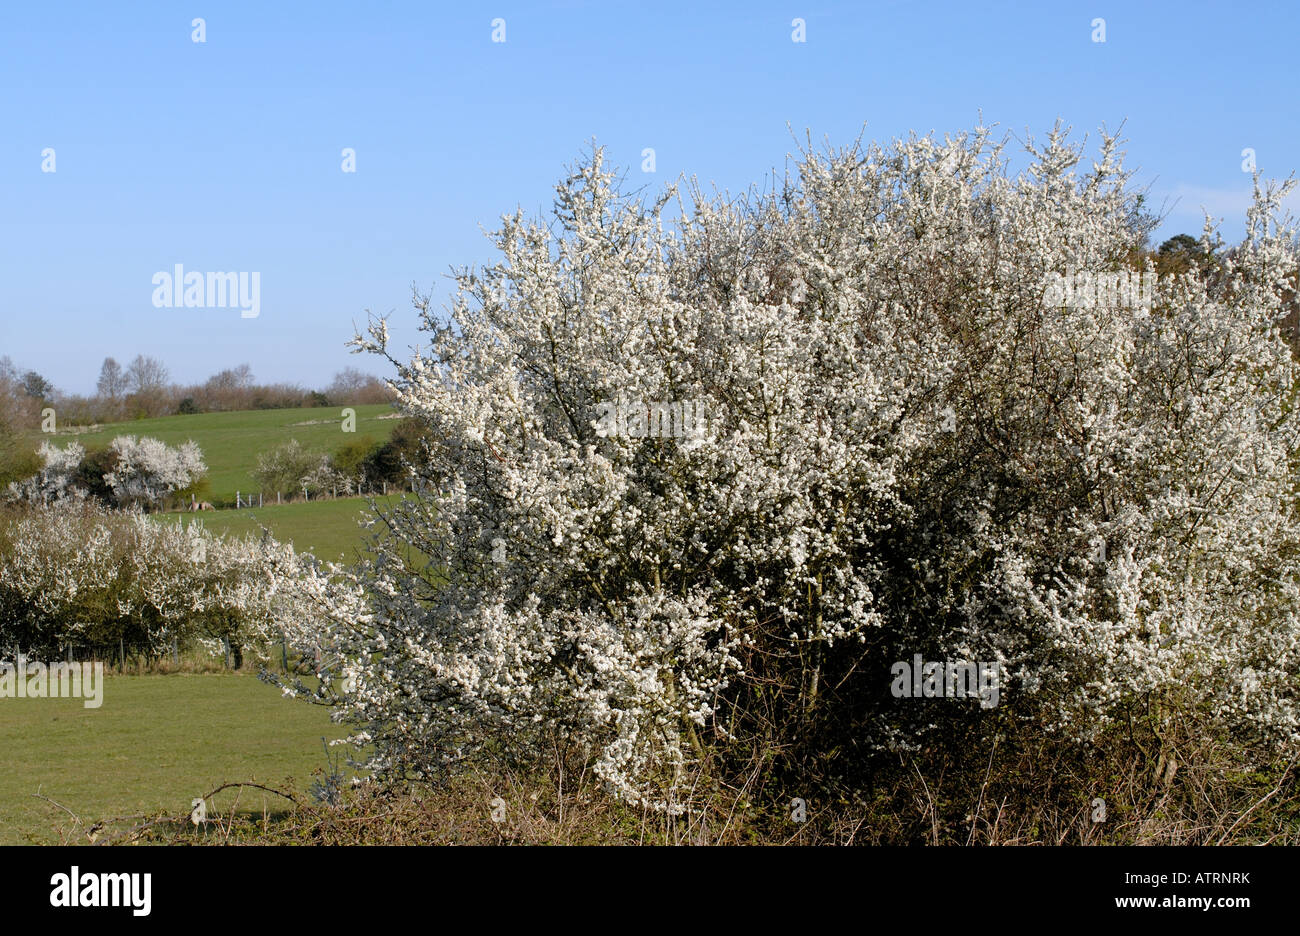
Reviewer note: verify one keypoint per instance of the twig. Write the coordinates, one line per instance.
(1259, 803)
(58, 804)
(979, 804)
(226, 786)
(76, 819)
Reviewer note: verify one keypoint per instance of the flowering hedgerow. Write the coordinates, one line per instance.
(76, 573)
(913, 445)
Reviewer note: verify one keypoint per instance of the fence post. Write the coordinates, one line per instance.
(121, 654)
(225, 645)
(284, 654)
(176, 652)
(259, 499)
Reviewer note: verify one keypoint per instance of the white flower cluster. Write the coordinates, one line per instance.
(54, 482)
(605, 588)
(147, 469)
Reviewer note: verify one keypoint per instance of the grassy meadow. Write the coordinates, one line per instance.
(231, 442)
(328, 529)
(156, 743)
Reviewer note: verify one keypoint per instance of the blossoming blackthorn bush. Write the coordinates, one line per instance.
(913, 447)
(130, 473)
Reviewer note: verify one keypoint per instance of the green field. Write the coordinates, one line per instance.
(156, 743)
(159, 741)
(328, 529)
(231, 442)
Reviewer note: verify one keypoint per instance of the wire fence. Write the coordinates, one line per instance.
(244, 500)
(124, 656)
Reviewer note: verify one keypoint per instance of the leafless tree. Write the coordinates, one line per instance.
(113, 381)
(146, 374)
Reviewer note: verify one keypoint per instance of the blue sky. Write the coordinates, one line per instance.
(226, 155)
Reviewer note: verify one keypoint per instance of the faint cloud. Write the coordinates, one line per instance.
(1229, 204)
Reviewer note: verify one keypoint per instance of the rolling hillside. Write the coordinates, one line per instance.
(231, 442)
(328, 529)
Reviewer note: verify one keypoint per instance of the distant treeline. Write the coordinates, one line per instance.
(142, 389)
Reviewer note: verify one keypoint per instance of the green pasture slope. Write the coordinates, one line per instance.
(155, 744)
(328, 529)
(231, 442)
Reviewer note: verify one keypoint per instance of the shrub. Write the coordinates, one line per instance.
(130, 472)
(147, 470)
(90, 474)
(18, 461)
(56, 480)
(913, 444)
(284, 469)
(352, 459)
(76, 572)
(405, 451)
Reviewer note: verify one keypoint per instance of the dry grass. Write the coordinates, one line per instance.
(1192, 792)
